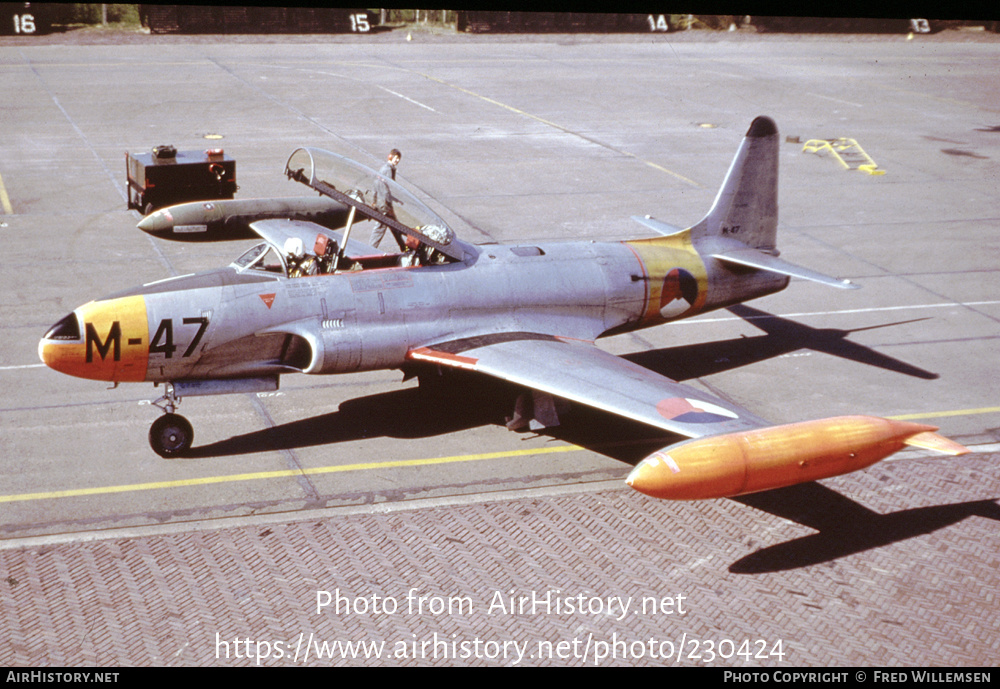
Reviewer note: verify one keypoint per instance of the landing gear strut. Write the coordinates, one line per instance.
(171, 434)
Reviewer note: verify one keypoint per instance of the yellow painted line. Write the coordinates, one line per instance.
(366, 466)
(4, 199)
(942, 414)
(286, 473)
(663, 169)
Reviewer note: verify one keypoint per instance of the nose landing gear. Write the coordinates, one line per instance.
(171, 434)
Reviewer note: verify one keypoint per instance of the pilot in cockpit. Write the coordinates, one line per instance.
(294, 256)
(323, 260)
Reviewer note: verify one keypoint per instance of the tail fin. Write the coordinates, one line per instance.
(746, 207)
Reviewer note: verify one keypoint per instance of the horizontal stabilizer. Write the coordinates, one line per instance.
(938, 443)
(741, 254)
(657, 226)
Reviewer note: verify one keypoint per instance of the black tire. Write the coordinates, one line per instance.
(171, 435)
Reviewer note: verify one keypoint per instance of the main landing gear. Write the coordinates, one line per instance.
(171, 434)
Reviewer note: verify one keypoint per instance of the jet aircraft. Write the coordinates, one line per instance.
(313, 298)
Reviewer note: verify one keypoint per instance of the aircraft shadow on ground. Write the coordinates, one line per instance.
(468, 401)
(782, 336)
(410, 412)
(421, 412)
(844, 527)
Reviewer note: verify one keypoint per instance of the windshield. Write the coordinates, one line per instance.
(262, 257)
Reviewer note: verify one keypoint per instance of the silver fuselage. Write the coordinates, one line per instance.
(233, 323)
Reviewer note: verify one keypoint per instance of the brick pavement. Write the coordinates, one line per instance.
(904, 575)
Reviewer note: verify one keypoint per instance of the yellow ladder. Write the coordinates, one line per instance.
(848, 153)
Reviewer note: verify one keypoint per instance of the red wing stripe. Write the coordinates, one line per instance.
(454, 360)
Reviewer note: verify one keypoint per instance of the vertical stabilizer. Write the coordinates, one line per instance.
(746, 207)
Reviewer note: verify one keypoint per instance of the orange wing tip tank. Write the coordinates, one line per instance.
(778, 456)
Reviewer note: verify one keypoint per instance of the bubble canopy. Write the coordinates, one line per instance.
(353, 184)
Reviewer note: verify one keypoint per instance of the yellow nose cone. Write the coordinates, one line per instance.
(102, 340)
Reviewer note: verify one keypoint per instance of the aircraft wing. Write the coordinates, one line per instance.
(277, 232)
(581, 372)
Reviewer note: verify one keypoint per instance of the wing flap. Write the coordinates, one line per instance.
(581, 372)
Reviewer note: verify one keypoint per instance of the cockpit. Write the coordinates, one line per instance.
(294, 248)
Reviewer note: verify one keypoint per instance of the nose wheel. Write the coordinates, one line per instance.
(171, 435)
